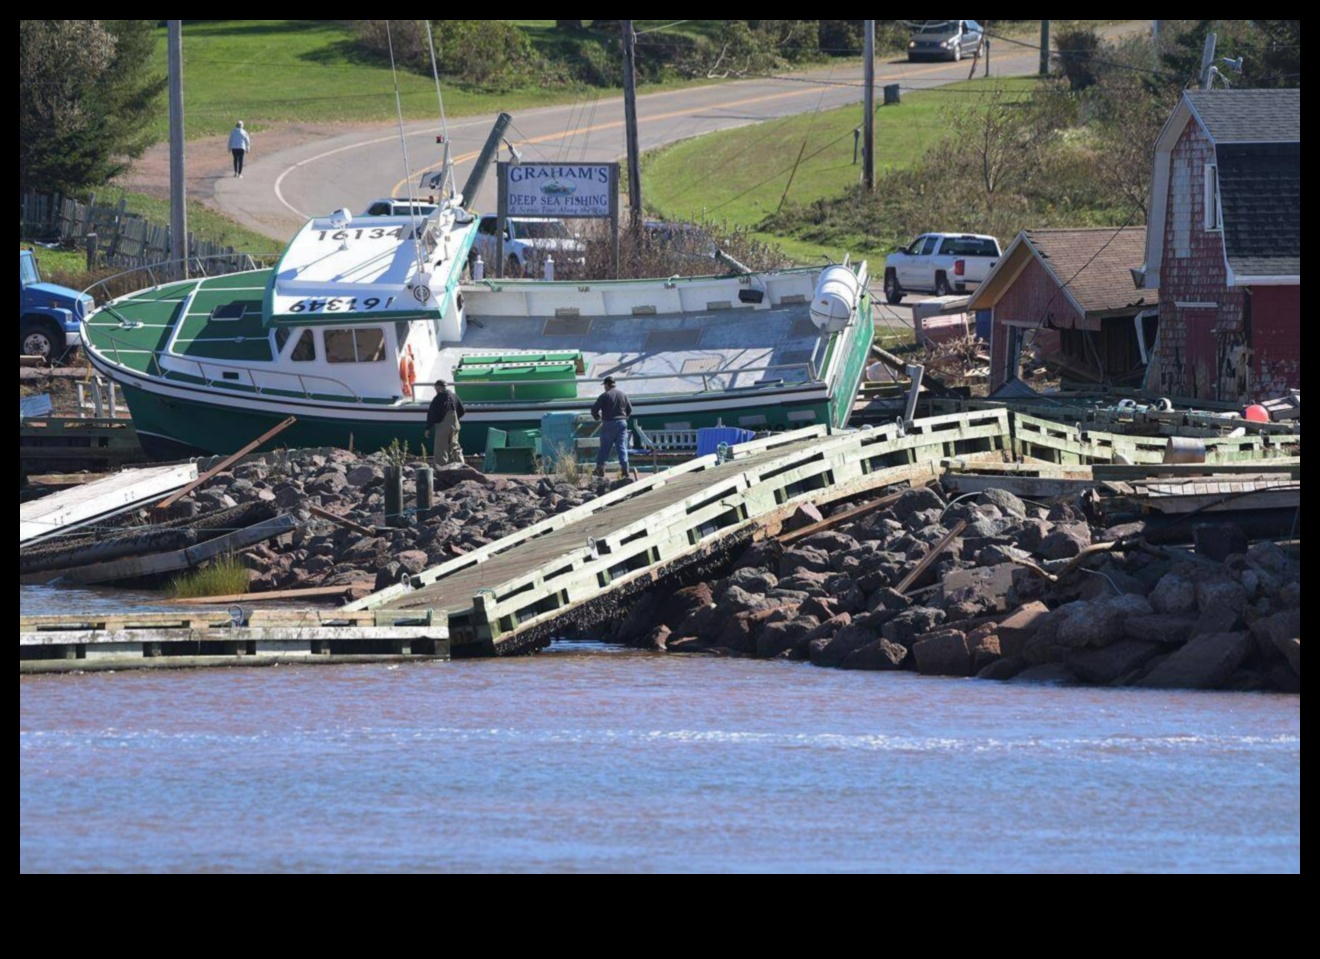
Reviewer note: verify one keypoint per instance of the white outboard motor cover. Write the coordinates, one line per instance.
(837, 293)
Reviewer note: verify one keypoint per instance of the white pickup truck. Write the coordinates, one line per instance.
(941, 263)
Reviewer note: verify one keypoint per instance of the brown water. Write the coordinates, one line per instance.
(589, 759)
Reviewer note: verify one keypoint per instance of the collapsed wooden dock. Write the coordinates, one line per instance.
(515, 594)
(186, 640)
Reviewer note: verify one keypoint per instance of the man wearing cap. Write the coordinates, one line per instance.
(612, 410)
(442, 421)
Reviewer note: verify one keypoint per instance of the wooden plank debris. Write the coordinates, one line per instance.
(142, 567)
(83, 505)
(164, 505)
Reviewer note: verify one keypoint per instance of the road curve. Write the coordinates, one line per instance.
(317, 173)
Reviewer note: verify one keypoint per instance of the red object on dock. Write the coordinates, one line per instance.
(1257, 414)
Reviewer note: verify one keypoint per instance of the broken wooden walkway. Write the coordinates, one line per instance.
(187, 640)
(505, 597)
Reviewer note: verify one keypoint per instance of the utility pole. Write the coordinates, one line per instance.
(630, 115)
(1044, 48)
(868, 157)
(178, 196)
(1208, 62)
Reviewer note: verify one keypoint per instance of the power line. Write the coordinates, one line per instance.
(676, 23)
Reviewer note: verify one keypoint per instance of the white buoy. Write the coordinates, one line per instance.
(837, 293)
(478, 269)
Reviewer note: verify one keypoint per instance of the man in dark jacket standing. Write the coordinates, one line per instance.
(442, 420)
(612, 409)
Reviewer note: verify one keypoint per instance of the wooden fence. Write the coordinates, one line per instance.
(112, 237)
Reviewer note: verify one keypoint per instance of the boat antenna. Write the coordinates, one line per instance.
(407, 168)
(446, 180)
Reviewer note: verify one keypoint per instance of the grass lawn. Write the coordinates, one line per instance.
(276, 71)
(742, 176)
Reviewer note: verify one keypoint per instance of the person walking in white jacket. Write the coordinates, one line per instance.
(239, 145)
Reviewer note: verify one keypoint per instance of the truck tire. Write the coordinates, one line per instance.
(942, 287)
(513, 266)
(893, 292)
(40, 338)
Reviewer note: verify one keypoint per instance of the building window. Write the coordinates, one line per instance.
(1212, 217)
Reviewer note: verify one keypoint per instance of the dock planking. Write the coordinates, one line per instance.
(189, 640)
(503, 604)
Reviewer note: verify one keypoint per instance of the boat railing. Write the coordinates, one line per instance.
(305, 382)
(109, 290)
(771, 376)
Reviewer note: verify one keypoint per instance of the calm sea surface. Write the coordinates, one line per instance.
(589, 759)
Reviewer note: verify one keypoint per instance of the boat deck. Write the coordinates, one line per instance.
(718, 350)
(216, 318)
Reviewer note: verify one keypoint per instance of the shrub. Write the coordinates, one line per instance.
(491, 54)
(226, 576)
(1077, 48)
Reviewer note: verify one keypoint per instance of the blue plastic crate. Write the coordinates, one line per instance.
(710, 438)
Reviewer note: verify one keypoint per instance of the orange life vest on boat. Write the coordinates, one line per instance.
(407, 372)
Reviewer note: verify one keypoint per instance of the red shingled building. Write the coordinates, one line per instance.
(1224, 246)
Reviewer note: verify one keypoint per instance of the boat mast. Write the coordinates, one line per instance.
(178, 208)
(445, 180)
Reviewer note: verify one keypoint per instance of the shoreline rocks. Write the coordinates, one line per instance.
(1127, 617)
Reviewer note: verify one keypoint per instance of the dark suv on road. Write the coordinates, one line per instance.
(946, 40)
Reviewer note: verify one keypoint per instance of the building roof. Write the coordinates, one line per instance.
(1096, 264)
(1249, 116)
(1093, 267)
(1260, 189)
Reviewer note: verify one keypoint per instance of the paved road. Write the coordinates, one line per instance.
(280, 190)
(319, 173)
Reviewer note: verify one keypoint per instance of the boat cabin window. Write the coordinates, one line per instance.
(304, 351)
(355, 346)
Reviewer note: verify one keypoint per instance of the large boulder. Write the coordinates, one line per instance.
(1207, 662)
(824, 634)
(1174, 594)
(684, 603)
(830, 542)
(448, 477)
(1018, 629)
(1065, 542)
(788, 637)
(917, 500)
(1221, 593)
(805, 515)
(1282, 634)
(1084, 625)
(1104, 667)
(846, 641)
(943, 653)
(879, 656)
(1165, 628)
(742, 601)
(1005, 502)
(909, 625)
(988, 589)
(804, 559)
(749, 579)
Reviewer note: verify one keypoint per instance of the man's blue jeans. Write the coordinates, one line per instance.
(613, 433)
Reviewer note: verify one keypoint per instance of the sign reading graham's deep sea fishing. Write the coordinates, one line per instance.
(560, 189)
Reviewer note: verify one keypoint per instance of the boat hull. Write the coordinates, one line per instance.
(172, 425)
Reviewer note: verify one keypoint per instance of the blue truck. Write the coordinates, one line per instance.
(49, 316)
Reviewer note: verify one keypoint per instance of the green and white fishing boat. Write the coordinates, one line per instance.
(348, 331)
(329, 334)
